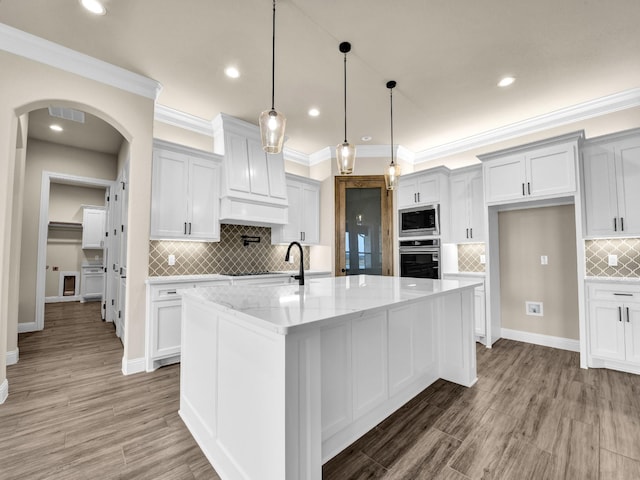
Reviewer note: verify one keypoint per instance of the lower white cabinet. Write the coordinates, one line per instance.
(614, 326)
(91, 282)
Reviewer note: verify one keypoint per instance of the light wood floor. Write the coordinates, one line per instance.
(71, 414)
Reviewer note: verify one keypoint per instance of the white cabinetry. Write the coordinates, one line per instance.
(614, 326)
(421, 188)
(480, 326)
(545, 169)
(91, 282)
(467, 205)
(611, 169)
(164, 320)
(304, 212)
(93, 226)
(185, 194)
(254, 189)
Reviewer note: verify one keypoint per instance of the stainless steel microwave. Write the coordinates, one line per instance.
(419, 221)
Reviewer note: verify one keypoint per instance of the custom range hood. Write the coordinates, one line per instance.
(253, 186)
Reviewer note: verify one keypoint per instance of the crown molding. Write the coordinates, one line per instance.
(49, 53)
(295, 156)
(575, 113)
(183, 120)
(327, 153)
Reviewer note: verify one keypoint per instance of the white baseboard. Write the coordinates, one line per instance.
(129, 367)
(74, 298)
(4, 391)
(12, 357)
(539, 339)
(27, 327)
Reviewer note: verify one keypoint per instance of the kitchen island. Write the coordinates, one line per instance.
(278, 379)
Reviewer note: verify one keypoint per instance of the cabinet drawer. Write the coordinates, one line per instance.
(617, 293)
(88, 270)
(169, 292)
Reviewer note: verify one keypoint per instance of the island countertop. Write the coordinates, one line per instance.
(280, 308)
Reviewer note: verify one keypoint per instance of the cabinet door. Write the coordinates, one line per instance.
(203, 200)
(428, 189)
(310, 218)
(478, 307)
(606, 330)
(237, 173)
(258, 171)
(407, 193)
(169, 195)
(476, 207)
(600, 193)
(277, 179)
(459, 209)
(92, 283)
(504, 179)
(166, 316)
(632, 332)
(551, 171)
(93, 227)
(628, 175)
(291, 231)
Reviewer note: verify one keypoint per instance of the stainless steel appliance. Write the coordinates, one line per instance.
(420, 258)
(419, 221)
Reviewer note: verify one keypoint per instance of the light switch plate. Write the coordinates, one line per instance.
(483, 259)
(171, 260)
(612, 260)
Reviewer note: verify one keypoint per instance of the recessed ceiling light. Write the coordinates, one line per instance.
(55, 127)
(366, 138)
(94, 6)
(506, 81)
(314, 112)
(232, 72)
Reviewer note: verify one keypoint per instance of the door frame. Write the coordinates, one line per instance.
(47, 179)
(341, 183)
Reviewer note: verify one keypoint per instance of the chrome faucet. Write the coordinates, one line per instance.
(300, 276)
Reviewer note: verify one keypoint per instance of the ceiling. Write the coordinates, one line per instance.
(446, 56)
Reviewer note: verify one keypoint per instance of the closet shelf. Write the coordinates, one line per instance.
(65, 226)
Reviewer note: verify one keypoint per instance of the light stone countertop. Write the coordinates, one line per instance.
(213, 277)
(623, 280)
(280, 307)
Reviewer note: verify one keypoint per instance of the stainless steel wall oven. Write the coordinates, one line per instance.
(420, 258)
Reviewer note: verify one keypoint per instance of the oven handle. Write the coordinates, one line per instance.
(419, 250)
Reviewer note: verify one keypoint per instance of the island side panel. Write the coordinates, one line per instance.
(457, 341)
(233, 392)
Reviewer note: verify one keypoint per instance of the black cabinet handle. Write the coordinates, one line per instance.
(615, 224)
(622, 224)
(619, 314)
(189, 228)
(523, 189)
(185, 228)
(628, 315)
(529, 188)
(471, 233)
(623, 294)
(467, 230)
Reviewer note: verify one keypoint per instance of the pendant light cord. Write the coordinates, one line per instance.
(345, 98)
(273, 59)
(391, 102)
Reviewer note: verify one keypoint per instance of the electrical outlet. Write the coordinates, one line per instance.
(171, 260)
(291, 258)
(55, 269)
(612, 260)
(483, 259)
(533, 308)
(544, 260)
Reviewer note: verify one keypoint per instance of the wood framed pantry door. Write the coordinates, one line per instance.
(364, 230)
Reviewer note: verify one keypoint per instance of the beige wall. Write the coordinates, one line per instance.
(171, 133)
(45, 156)
(64, 247)
(26, 85)
(525, 235)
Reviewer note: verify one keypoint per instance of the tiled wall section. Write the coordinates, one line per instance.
(227, 256)
(627, 250)
(469, 257)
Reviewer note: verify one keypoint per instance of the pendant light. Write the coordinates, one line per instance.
(272, 123)
(345, 152)
(392, 173)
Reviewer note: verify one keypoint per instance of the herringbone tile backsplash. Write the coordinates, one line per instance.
(224, 257)
(597, 255)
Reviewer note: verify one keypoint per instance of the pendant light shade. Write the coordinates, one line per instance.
(345, 152)
(272, 123)
(392, 173)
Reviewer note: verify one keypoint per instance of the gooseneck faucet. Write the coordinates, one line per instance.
(300, 276)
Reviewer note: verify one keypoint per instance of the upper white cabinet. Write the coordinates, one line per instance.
(421, 188)
(538, 170)
(254, 188)
(467, 205)
(304, 212)
(611, 175)
(93, 226)
(185, 193)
